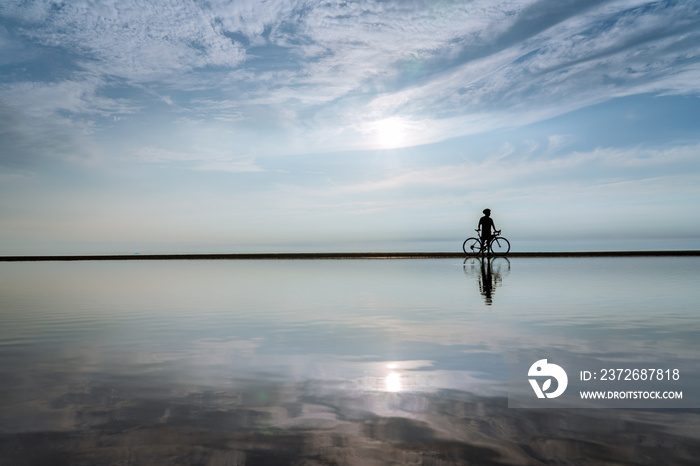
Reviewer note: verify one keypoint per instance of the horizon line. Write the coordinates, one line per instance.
(333, 255)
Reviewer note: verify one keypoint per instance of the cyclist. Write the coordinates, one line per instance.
(486, 226)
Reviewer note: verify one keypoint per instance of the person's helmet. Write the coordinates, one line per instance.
(487, 211)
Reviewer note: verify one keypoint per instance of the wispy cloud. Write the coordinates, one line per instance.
(134, 39)
(200, 159)
(507, 170)
(53, 121)
(453, 68)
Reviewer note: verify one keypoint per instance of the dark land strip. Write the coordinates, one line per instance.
(334, 255)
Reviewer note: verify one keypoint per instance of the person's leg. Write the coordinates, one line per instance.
(486, 242)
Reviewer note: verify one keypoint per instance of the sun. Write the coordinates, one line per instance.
(390, 132)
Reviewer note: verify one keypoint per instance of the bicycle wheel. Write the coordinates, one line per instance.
(499, 246)
(472, 247)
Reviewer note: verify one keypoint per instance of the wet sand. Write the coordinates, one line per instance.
(336, 255)
(127, 363)
(110, 425)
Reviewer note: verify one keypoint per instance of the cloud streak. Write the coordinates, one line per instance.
(451, 68)
(509, 169)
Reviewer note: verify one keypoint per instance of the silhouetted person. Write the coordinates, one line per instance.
(486, 227)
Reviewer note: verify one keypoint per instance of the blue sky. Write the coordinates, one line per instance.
(251, 126)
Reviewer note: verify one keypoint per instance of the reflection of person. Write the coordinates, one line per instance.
(486, 226)
(489, 274)
(486, 282)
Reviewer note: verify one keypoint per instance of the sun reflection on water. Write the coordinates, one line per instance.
(393, 382)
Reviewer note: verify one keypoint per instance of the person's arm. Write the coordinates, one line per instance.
(493, 226)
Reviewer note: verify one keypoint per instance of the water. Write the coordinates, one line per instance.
(337, 361)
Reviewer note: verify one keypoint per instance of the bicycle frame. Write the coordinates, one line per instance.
(496, 245)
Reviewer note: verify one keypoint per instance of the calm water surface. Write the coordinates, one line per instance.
(335, 361)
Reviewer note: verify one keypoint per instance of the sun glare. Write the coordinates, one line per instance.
(390, 133)
(393, 382)
(393, 379)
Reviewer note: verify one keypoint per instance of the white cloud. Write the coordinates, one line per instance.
(199, 159)
(43, 121)
(506, 170)
(324, 74)
(134, 39)
(239, 165)
(582, 61)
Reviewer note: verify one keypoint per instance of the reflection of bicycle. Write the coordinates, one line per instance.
(489, 273)
(499, 266)
(497, 245)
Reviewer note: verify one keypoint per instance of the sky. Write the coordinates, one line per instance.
(174, 126)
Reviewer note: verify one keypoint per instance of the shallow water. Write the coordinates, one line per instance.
(337, 361)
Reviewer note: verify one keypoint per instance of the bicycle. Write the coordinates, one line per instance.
(498, 246)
